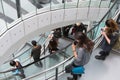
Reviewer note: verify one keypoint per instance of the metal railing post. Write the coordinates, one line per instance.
(56, 74)
(44, 48)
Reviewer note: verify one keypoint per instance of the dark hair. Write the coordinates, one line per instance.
(84, 41)
(112, 26)
(53, 43)
(34, 43)
(12, 63)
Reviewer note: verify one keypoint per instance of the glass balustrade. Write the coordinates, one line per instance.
(29, 6)
(57, 4)
(83, 3)
(3, 23)
(24, 55)
(97, 28)
(105, 3)
(95, 3)
(60, 56)
(71, 3)
(9, 12)
(48, 62)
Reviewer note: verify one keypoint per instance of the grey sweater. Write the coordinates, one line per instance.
(82, 58)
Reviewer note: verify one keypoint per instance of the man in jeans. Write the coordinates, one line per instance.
(35, 53)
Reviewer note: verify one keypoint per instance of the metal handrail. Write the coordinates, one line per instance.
(47, 69)
(39, 59)
(87, 32)
(53, 66)
(103, 17)
(98, 39)
(24, 52)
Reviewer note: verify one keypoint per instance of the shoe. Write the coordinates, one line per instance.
(69, 78)
(40, 64)
(80, 75)
(100, 57)
(101, 52)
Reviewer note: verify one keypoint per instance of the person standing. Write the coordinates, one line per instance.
(35, 53)
(79, 27)
(82, 49)
(52, 46)
(109, 33)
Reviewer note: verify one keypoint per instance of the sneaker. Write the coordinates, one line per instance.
(100, 57)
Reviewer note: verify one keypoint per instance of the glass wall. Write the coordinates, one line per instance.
(83, 3)
(10, 10)
(105, 3)
(57, 4)
(3, 27)
(95, 3)
(71, 3)
(28, 6)
(14, 10)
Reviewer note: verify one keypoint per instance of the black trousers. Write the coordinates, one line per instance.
(37, 62)
(75, 76)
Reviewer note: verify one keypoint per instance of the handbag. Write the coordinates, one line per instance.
(78, 70)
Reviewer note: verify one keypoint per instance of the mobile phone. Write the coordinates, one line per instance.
(102, 29)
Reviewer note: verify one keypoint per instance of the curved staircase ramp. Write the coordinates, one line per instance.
(51, 72)
(3, 75)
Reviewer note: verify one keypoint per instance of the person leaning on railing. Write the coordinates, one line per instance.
(18, 68)
(82, 48)
(110, 35)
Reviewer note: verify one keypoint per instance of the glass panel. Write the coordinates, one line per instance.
(61, 68)
(50, 73)
(4, 67)
(10, 10)
(84, 3)
(97, 30)
(2, 77)
(71, 3)
(105, 3)
(11, 76)
(34, 69)
(28, 7)
(25, 57)
(42, 5)
(53, 60)
(113, 1)
(68, 51)
(95, 3)
(40, 77)
(57, 4)
(3, 27)
(112, 11)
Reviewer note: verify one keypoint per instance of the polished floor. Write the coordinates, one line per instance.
(108, 69)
